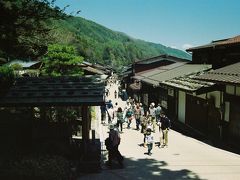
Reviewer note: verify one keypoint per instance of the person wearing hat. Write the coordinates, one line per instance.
(142, 109)
(153, 115)
(113, 152)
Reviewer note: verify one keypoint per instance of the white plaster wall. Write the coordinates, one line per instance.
(181, 106)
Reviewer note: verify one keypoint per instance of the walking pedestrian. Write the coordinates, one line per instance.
(142, 109)
(158, 111)
(115, 94)
(115, 109)
(149, 141)
(153, 115)
(137, 114)
(120, 119)
(103, 114)
(165, 126)
(129, 116)
(112, 146)
(144, 129)
(110, 115)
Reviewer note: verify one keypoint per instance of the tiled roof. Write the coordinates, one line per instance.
(93, 70)
(135, 86)
(233, 40)
(24, 64)
(32, 91)
(227, 74)
(163, 57)
(223, 42)
(188, 83)
(160, 69)
(156, 76)
(150, 81)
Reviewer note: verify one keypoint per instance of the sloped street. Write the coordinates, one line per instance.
(184, 158)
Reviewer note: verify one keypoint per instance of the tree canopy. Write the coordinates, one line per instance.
(99, 44)
(23, 28)
(62, 60)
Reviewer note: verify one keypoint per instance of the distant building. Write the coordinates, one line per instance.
(27, 68)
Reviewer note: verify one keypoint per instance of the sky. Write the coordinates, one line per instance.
(179, 24)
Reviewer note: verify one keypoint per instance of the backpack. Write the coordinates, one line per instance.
(129, 113)
(120, 117)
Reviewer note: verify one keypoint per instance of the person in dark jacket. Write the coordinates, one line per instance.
(113, 152)
(165, 126)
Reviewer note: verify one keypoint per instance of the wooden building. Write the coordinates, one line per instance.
(219, 53)
(27, 68)
(153, 88)
(144, 84)
(46, 94)
(229, 78)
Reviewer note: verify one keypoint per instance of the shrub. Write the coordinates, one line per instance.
(6, 76)
(38, 168)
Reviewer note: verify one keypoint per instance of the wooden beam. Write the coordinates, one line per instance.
(85, 129)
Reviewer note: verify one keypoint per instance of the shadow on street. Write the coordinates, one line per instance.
(147, 168)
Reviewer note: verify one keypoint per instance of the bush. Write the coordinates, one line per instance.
(6, 76)
(38, 168)
(16, 67)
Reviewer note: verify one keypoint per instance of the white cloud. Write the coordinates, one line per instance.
(174, 47)
(186, 46)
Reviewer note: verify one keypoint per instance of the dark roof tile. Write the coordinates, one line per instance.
(227, 74)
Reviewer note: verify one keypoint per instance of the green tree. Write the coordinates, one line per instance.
(23, 26)
(16, 67)
(62, 60)
(6, 77)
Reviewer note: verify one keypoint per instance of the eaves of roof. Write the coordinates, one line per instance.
(93, 70)
(187, 83)
(159, 76)
(24, 64)
(213, 44)
(54, 91)
(225, 75)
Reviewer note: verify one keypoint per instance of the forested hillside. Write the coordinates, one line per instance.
(30, 27)
(100, 44)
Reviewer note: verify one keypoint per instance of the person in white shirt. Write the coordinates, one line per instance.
(149, 141)
(152, 112)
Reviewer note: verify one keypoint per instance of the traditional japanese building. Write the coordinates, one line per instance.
(229, 78)
(219, 53)
(43, 100)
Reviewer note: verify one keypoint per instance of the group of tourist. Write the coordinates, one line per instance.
(146, 121)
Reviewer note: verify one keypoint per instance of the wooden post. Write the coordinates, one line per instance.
(85, 129)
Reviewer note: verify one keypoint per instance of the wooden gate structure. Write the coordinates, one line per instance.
(47, 92)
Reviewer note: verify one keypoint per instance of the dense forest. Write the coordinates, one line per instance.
(29, 27)
(100, 44)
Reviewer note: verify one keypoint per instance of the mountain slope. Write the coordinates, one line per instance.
(100, 44)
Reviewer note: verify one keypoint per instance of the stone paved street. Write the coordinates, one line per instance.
(184, 158)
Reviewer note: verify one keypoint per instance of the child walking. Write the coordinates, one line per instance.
(149, 141)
